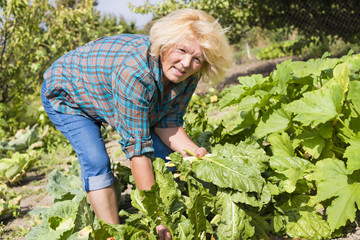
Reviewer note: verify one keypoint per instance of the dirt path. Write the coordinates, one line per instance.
(33, 192)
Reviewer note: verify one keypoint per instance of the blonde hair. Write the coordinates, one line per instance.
(186, 24)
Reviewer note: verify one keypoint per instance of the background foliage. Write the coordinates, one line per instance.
(320, 19)
(33, 35)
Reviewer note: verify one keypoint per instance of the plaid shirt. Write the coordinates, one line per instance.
(115, 80)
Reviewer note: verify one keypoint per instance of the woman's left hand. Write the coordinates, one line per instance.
(164, 232)
(200, 152)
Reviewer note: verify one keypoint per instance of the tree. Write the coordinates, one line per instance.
(339, 19)
(35, 33)
(21, 50)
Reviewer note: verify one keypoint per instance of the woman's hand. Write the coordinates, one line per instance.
(200, 152)
(177, 139)
(164, 232)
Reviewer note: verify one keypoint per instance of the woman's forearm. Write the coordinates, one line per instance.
(178, 140)
(142, 171)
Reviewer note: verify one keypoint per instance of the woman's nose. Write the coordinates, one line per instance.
(186, 61)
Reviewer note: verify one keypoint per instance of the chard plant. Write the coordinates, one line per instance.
(308, 111)
(14, 168)
(9, 202)
(287, 165)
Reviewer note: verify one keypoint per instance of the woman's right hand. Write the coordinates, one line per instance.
(164, 232)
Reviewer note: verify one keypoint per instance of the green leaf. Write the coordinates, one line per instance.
(83, 234)
(308, 225)
(282, 164)
(251, 81)
(180, 163)
(185, 230)
(278, 222)
(318, 106)
(241, 197)
(341, 75)
(131, 219)
(311, 142)
(292, 167)
(303, 221)
(60, 183)
(122, 231)
(232, 96)
(312, 67)
(247, 103)
(84, 215)
(260, 224)
(326, 130)
(148, 201)
(282, 76)
(63, 218)
(352, 153)
(204, 140)
(199, 200)
(333, 181)
(249, 198)
(12, 169)
(247, 152)
(227, 173)
(281, 145)
(234, 224)
(169, 192)
(353, 95)
(276, 122)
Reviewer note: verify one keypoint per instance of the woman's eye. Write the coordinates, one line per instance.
(181, 50)
(198, 60)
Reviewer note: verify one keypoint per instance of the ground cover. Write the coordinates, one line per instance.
(34, 193)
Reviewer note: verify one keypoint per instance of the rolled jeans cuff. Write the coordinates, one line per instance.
(98, 182)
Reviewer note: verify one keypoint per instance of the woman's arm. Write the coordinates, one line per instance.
(142, 171)
(141, 166)
(177, 139)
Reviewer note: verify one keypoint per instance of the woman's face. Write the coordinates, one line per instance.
(181, 61)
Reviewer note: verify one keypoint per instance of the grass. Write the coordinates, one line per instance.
(11, 233)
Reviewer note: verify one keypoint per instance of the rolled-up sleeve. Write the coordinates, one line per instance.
(132, 96)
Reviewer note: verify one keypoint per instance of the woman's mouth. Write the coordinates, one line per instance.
(179, 71)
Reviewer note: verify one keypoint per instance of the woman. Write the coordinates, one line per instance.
(141, 86)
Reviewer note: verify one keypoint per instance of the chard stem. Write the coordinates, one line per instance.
(351, 106)
(338, 150)
(300, 153)
(346, 127)
(188, 151)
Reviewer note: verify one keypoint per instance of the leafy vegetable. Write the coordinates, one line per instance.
(12, 169)
(291, 149)
(9, 202)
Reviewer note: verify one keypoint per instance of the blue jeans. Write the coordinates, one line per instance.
(85, 137)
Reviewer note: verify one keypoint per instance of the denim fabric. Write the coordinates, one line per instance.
(85, 137)
(160, 149)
